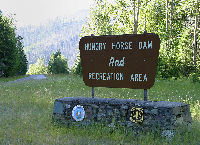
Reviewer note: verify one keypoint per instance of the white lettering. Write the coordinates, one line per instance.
(138, 77)
(86, 46)
(121, 45)
(112, 59)
(126, 45)
(97, 78)
(145, 77)
(122, 62)
(100, 46)
(117, 76)
(130, 45)
(91, 76)
(149, 44)
(112, 76)
(106, 76)
(121, 76)
(104, 44)
(100, 76)
(140, 45)
(95, 46)
(132, 77)
(118, 47)
(116, 62)
(113, 45)
(144, 46)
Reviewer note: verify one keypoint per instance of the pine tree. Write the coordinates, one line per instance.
(12, 58)
(21, 58)
(58, 64)
(77, 68)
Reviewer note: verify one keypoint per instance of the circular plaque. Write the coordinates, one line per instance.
(136, 115)
(78, 113)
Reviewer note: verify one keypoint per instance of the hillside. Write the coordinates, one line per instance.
(61, 33)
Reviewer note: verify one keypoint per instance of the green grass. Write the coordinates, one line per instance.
(26, 109)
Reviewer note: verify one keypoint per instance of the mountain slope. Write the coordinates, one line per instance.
(61, 33)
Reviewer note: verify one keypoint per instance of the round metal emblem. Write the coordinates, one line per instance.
(78, 113)
(136, 115)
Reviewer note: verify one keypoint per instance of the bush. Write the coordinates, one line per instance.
(58, 64)
(195, 77)
(37, 68)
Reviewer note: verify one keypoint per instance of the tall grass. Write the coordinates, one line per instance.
(26, 109)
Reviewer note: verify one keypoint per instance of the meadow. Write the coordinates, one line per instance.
(26, 109)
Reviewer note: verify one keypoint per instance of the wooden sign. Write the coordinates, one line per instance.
(120, 61)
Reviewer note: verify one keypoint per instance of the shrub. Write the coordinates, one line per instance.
(58, 64)
(38, 67)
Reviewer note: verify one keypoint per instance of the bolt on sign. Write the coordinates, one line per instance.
(120, 61)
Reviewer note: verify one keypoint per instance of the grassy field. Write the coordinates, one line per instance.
(26, 109)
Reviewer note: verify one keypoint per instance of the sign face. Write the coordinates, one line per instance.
(120, 61)
(78, 113)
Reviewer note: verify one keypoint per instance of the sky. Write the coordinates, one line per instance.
(36, 11)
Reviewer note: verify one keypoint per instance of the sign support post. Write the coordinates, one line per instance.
(92, 87)
(145, 94)
(92, 92)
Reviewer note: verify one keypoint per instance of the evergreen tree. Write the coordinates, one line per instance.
(7, 47)
(12, 58)
(21, 58)
(58, 64)
(77, 68)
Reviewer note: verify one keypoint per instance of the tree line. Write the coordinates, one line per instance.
(13, 61)
(175, 21)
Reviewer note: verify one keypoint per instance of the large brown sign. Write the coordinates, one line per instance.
(120, 61)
